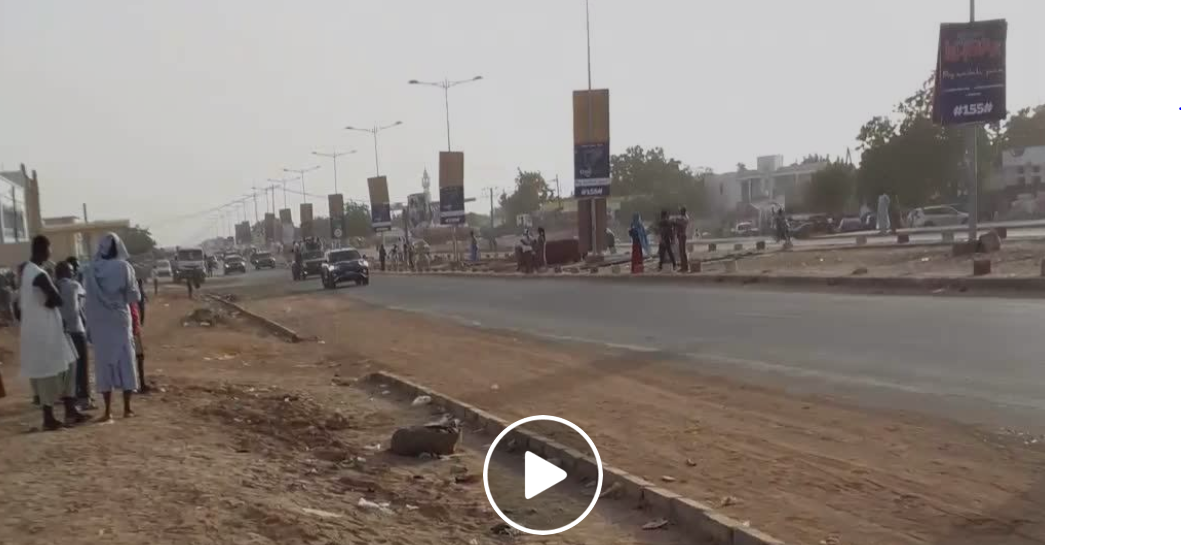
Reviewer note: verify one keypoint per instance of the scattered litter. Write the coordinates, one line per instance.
(321, 513)
(689, 462)
(860, 271)
(320, 342)
(746, 523)
(374, 446)
(655, 524)
(925, 259)
(419, 401)
(207, 359)
(465, 478)
(473, 541)
(384, 506)
(668, 478)
(225, 357)
(503, 529)
(728, 501)
(385, 392)
(411, 507)
(612, 491)
(495, 387)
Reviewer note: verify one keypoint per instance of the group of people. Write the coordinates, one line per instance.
(60, 316)
(530, 251)
(401, 254)
(672, 232)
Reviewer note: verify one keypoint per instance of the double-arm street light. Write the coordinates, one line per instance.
(282, 183)
(374, 130)
(303, 186)
(446, 86)
(334, 155)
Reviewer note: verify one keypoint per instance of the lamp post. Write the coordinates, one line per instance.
(446, 86)
(376, 129)
(334, 155)
(282, 183)
(303, 186)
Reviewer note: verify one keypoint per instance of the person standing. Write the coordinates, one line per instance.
(639, 237)
(47, 356)
(540, 252)
(681, 226)
(473, 248)
(72, 296)
(895, 215)
(381, 255)
(883, 213)
(111, 289)
(664, 228)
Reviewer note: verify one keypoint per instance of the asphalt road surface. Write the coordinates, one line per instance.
(974, 359)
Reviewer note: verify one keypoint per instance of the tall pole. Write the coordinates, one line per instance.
(590, 117)
(283, 183)
(588, 45)
(334, 155)
(255, 195)
(303, 186)
(447, 109)
(973, 170)
(376, 163)
(373, 131)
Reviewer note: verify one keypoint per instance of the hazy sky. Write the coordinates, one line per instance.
(155, 109)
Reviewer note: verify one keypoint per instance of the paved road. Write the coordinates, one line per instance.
(979, 360)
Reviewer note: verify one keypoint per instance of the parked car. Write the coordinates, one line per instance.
(745, 228)
(344, 265)
(162, 269)
(936, 216)
(850, 224)
(262, 260)
(233, 263)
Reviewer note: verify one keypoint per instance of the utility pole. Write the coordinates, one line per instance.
(973, 169)
(254, 188)
(282, 182)
(303, 187)
(373, 131)
(491, 217)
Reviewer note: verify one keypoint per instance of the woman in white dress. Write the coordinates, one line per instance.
(46, 354)
(111, 289)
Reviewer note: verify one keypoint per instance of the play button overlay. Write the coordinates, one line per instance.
(540, 475)
(536, 490)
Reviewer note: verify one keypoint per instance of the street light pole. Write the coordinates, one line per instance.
(334, 155)
(446, 86)
(283, 183)
(973, 168)
(376, 129)
(303, 186)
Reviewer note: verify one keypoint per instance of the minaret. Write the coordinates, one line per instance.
(426, 194)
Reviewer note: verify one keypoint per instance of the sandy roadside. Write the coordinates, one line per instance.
(252, 441)
(803, 469)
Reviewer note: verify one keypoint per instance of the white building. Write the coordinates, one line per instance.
(1022, 170)
(769, 185)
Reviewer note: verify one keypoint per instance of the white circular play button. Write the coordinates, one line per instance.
(537, 491)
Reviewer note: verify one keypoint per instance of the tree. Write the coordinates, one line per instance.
(655, 182)
(138, 240)
(532, 189)
(1024, 129)
(812, 158)
(912, 157)
(357, 221)
(831, 188)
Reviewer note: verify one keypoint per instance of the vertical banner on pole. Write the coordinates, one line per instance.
(285, 216)
(451, 206)
(379, 204)
(592, 165)
(970, 73)
(286, 226)
(268, 227)
(336, 216)
(305, 220)
(242, 232)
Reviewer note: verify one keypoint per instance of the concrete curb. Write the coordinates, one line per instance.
(268, 324)
(1030, 286)
(694, 517)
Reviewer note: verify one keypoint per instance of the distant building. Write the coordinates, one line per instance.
(20, 215)
(1021, 169)
(755, 193)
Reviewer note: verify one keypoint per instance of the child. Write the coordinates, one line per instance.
(137, 342)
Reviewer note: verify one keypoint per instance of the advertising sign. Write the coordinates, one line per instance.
(592, 137)
(379, 204)
(451, 208)
(336, 216)
(305, 219)
(970, 73)
(285, 216)
(417, 213)
(242, 232)
(268, 228)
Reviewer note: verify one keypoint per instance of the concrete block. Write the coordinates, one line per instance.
(713, 247)
(694, 516)
(737, 247)
(948, 236)
(631, 488)
(694, 266)
(616, 269)
(903, 239)
(981, 267)
(990, 242)
(594, 270)
(557, 270)
(730, 265)
(862, 240)
(659, 500)
(761, 245)
(750, 536)
(1002, 232)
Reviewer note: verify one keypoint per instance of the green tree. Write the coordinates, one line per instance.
(138, 240)
(1025, 128)
(357, 222)
(655, 182)
(531, 189)
(832, 187)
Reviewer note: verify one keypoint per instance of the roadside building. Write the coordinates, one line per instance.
(753, 195)
(20, 215)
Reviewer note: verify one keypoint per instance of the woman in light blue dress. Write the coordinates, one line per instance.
(110, 289)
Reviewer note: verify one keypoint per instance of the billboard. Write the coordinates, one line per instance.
(269, 231)
(970, 73)
(379, 204)
(305, 219)
(451, 207)
(336, 216)
(592, 143)
(242, 233)
(417, 214)
(285, 216)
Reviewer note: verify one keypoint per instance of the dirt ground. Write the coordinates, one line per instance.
(1016, 258)
(807, 470)
(249, 440)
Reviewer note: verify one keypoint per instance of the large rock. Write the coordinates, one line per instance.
(437, 438)
(989, 242)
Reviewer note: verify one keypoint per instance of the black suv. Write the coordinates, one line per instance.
(343, 265)
(263, 260)
(233, 263)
